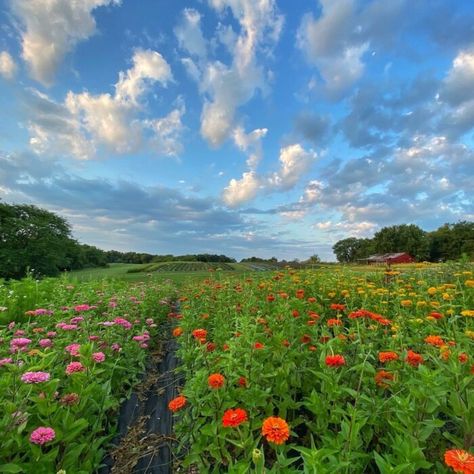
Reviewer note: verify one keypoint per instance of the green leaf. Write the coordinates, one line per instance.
(11, 468)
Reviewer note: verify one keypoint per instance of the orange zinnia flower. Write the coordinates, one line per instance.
(275, 430)
(300, 294)
(177, 332)
(414, 359)
(463, 357)
(270, 298)
(335, 360)
(435, 341)
(200, 334)
(387, 356)
(460, 461)
(334, 322)
(338, 307)
(177, 403)
(215, 380)
(382, 377)
(234, 417)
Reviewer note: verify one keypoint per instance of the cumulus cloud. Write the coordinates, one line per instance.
(51, 29)
(8, 66)
(224, 87)
(189, 33)
(251, 143)
(241, 190)
(294, 163)
(347, 229)
(86, 121)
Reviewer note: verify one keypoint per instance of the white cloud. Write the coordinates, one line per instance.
(227, 87)
(459, 83)
(312, 193)
(295, 162)
(350, 229)
(148, 67)
(332, 45)
(242, 190)
(189, 33)
(167, 132)
(51, 29)
(250, 142)
(86, 121)
(8, 66)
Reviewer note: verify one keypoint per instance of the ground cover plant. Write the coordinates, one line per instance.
(328, 372)
(69, 354)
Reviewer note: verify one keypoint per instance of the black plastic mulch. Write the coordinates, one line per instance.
(145, 443)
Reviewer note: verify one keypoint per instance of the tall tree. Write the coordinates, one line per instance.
(350, 249)
(33, 238)
(403, 238)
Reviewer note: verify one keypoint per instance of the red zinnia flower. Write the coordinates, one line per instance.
(336, 360)
(338, 307)
(460, 460)
(200, 334)
(258, 345)
(387, 356)
(300, 294)
(334, 322)
(435, 341)
(463, 357)
(275, 430)
(242, 381)
(234, 417)
(414, 359)
(215, 381)
(177, 403)
(270, 298)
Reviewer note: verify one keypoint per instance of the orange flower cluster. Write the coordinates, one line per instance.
(275, 430)
(460, 461)
(334, 322)
(414, 359)
(215, 381)
(336, 360)
(435, 341)
(363, 313)
(338, 307)
(235, 417)
(387, 356)
(177, 403)
(200, 335)
(382, 377)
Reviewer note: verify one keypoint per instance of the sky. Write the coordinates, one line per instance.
(238, 127)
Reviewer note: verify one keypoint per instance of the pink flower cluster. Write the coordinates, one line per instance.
(19, 344)
(7, 360)
(42, 435)
(35, 377)
(82, 307)
(73, 349)
(39, 312)
(123, 322)
(67, 327)
(98, 357)
(74, 367)
(45, 342)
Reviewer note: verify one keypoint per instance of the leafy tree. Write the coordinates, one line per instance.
(450, 241)
(33, 238)
(350, 249)
(403, 238)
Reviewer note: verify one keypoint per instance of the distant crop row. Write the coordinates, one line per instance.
(182, 267)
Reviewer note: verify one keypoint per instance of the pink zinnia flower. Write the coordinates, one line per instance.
(46, 342)
(73, 349)
(98, 357)
(20, 342)
(7, 360)
(42, 435)
(19, 333)
(74, 367)
(51, 333)
(35, 377)
(82, 307)
(123, 322)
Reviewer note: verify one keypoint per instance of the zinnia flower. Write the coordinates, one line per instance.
(234, 417)
(460, 460)
(275, 430)
(177, 331)
(335, 360)
(177, 403)
(74, 367)
(200, 334)
(98, 357)
(382, 377)
(435, 341)
(215, 381)
(387, 356)
(414, 359)
(35, 377)
(70, 399)
(42, 435)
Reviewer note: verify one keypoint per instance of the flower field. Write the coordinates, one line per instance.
(328, 372)
(69, 355)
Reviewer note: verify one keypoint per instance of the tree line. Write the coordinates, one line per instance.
(448, 242)
(36, 240)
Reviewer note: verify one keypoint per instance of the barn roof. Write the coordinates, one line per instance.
(385, 256)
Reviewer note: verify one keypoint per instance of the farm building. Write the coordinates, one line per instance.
(389, 258)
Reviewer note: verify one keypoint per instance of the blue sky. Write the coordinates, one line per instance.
(243, 127)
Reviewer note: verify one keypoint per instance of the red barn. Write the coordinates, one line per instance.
(389, 258)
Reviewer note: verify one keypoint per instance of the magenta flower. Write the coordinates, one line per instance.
(42, 435)
(74, 367)
(82, 307)
(35, 377)
(98, 357)
(7, 360)
(46, 342)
